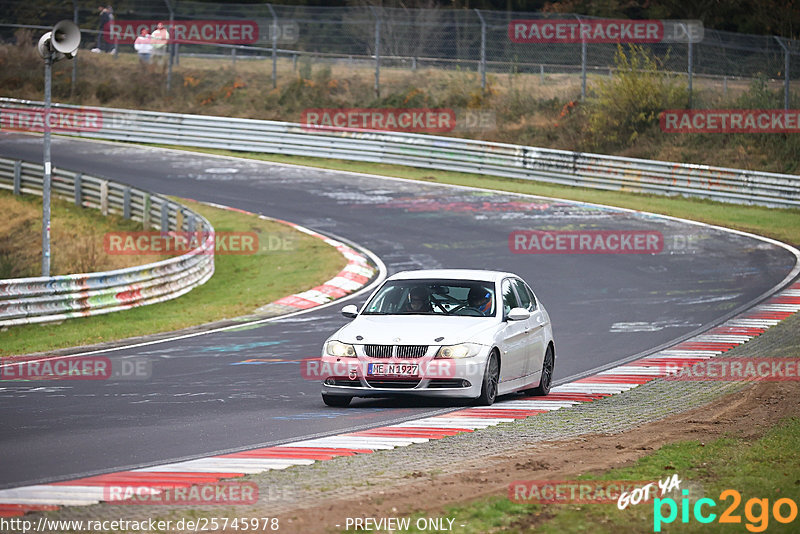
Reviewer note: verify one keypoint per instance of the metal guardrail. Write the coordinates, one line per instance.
(426, 151)
(55, 298)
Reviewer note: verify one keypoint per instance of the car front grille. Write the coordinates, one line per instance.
(378, 351)
(400, 351)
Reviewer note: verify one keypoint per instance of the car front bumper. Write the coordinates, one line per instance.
(442, 378)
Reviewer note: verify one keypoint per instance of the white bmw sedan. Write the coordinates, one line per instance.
(441, 333)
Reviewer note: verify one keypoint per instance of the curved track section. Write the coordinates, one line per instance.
(241, 389)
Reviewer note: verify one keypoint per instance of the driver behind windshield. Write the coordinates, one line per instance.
(419, 301)
(480, 299)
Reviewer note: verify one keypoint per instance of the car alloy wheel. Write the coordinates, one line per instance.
(491, 377)
(547, 374)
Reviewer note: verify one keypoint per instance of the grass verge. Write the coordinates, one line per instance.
(780, 224)
(708, 469)
(76, 242)
(240, 284)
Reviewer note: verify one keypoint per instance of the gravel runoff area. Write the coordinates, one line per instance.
(365, 478)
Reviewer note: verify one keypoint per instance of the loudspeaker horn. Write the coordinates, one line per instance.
(62, 41)
(66, 37)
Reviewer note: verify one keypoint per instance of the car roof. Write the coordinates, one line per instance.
(452, 274)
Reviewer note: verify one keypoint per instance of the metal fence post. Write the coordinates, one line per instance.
(169, 43)
(74, 78)
(17, 177)
(377, 52)
(482, 66)
(689, 68)
(274, 46)
(583, 60)
(786, 68)
(78, 189)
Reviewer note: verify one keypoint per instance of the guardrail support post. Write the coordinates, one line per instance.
(17, 177)
(78, 189)
(104, 197)
(164, 216)
(146, 211)
(126, 203)
(179, 220)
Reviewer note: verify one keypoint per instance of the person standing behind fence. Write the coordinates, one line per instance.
(144, 46)
(106, 18)
(159, 39)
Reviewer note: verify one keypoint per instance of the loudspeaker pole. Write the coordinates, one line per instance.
(48, 63)
(61, 43)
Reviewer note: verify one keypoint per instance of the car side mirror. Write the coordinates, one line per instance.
(518, 314)
(350, 311)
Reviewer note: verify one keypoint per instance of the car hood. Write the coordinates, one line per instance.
(417, 330)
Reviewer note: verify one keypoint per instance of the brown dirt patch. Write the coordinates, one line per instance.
(746, 415)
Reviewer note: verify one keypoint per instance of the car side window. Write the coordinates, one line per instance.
(509, 298)
(524, 297)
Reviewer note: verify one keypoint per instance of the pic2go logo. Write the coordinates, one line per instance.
(756, 511)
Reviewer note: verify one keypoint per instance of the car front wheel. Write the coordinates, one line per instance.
(546, 379)
(491, 377)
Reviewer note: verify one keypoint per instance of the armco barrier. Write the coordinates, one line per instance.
(43, 299)
(416, 150)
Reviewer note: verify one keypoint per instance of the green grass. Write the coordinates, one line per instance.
(780, 224)
(766, 468)
(240, 284)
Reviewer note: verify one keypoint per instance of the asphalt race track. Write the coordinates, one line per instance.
(203, 397)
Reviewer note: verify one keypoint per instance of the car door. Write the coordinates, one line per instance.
(534, 329)
(513, 336)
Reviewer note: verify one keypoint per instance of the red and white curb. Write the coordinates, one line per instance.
(90, 490)
(355, 275)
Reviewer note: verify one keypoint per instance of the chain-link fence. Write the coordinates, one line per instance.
(406, 39)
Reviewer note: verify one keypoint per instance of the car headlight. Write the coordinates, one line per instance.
(342, 350)
(462, 350)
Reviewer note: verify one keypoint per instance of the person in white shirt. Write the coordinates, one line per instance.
(144, 46)
(160, 38)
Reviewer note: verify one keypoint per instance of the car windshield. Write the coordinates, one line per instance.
(433, 297)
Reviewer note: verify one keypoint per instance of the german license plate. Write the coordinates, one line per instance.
(393, 369)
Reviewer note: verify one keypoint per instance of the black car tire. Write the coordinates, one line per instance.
(546, 380)
(491, 379)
